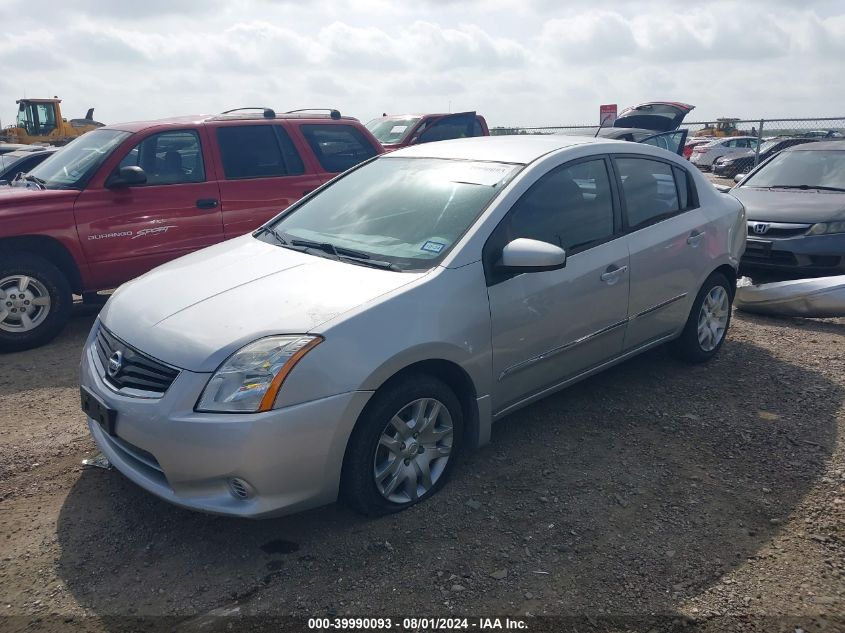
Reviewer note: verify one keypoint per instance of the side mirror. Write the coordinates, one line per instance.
(126, 177)
(530, 256)
(739, 177)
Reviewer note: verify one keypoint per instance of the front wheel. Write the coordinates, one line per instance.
(403, 447)
(708, 321)
(35, 300)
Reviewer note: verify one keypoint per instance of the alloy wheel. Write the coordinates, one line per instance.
(24, 303)
(713, 318)
(413, 450)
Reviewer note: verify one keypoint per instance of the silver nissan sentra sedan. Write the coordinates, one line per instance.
(356, 344)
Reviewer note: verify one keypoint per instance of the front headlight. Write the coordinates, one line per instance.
(823, 228)
(249, 380)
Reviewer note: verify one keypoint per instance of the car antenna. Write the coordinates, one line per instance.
(601, 125)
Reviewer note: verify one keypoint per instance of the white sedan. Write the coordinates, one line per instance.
(704, 155)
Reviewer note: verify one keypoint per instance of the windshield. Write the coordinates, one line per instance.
(802, 169)
(74, 164)
(405, 211)
(392, 130)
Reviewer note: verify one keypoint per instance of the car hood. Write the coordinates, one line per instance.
(195, 311)
(660, 116)
(791, 205)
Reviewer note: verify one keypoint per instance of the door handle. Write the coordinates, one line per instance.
(694, 238)
(612, 274)
(207, 203)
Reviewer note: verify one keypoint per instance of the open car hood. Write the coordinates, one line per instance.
(660, 116)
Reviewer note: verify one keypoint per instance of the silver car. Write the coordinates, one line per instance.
(360, 341)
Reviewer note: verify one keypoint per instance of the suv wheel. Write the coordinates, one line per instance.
(708, 321)
(35, 301)
(403, 447)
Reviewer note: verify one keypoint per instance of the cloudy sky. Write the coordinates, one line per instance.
(519, 62)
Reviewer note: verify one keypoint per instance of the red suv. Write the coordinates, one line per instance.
(401, 130)
(122, 199)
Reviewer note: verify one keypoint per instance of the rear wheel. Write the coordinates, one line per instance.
(35, 301)
(708, 322)
(404, 446)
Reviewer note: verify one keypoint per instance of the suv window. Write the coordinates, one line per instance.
(337, 147)
(168, 158)
(570, 207)
(257, 151)
(650, 190)
(451, 127)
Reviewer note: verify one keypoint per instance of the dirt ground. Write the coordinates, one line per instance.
(656, 496)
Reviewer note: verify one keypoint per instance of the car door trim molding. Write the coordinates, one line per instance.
(523, 364)
(657, 307)
(542, 393)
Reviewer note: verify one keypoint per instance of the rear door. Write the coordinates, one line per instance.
(667, 240)
(126, 231)
(670, 141)
(261, 173)
(337, 146)
(553, 325)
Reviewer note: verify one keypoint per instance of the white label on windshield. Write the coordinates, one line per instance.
(398, 129)
(478, 174)
(432, 247)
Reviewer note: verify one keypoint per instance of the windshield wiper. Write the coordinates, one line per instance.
(348, 254)
(804, 187)
(331, 249)
(30, 178)
(266, 229)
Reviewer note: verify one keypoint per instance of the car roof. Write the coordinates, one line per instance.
(818, 146)
(23, 153)
(200, 119)
(521, 149)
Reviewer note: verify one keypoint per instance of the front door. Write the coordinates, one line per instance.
(126, 231)
(670, 141)
(553, 325)
(668, 244)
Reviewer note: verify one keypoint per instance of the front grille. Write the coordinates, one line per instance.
(137, 371)
(775, 230)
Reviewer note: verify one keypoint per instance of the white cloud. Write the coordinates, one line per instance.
(516, 61)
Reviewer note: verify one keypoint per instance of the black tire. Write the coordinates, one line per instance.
(687, 346)
(358, 485)
(58, 289)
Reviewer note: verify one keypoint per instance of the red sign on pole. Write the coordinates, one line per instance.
(607, 114)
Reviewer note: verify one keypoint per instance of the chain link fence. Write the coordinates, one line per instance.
(745, 142)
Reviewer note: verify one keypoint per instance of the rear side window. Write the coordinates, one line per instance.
(687, 193)
(257, 151)
(168, 158)
(337, 147)
(651, 193)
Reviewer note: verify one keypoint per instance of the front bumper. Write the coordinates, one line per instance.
(808, 255)
(291, 458)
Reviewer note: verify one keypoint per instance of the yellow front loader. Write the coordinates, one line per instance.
(40, 121)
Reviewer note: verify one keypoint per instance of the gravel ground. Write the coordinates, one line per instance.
(656, 496)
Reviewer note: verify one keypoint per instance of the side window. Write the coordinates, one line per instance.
(570, 207)
(257, 151)
(687, 193)
(449, 128)
(649, 188)
(168, 158)
(337, 147)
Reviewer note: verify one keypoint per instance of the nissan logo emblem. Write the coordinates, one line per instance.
(761, 227)
(115, 363)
